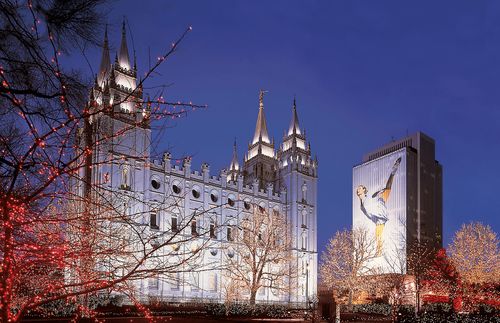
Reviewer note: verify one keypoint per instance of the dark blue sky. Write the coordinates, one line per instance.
(363, 72)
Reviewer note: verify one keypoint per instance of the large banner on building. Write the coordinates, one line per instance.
(379, 207)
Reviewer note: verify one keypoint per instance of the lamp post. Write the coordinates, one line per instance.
(307, 284)
(308, 301)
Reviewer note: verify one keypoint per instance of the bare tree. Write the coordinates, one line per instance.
(66, 233)
(262, 254)
(346, 262)
(398, 285)
(475, 253)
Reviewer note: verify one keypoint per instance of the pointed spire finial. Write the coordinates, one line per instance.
(294, 123)
(123, 58)
(261, 127)
(261, 98)
(235, 166)
(105, 61)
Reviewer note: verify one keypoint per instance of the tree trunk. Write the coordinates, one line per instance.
(337, 313)
(253, 294)
(417, 296)
(393, 312)
(349, 304)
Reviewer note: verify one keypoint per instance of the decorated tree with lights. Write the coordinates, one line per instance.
(475, 253)
(419, 258)
(261, 256)
(66, 235)
(346, 262)
(444, 279)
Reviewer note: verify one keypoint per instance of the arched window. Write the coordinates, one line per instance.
(231, 200)
(194, 231)
(153, 282)
(304, 218)
(304, 240)
(304, 192)
(176, 281)
(212, 229)
(212, 282)
(125, 178)
(173, 223)
(153, 220)
(194, 280)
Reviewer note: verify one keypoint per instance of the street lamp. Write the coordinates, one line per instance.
(307, 283)
(309, 307)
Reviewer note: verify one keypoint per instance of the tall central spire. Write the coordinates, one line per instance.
(123, 58)
(105, 67)
(261, 127)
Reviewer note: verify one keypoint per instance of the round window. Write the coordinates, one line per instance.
(230, 201)
(247, 205)
(155, 183)
(176, 188)
(214, 197)
(213, 252)
(196, 193)
(230, 253)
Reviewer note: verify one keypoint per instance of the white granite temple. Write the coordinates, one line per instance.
(282, 179)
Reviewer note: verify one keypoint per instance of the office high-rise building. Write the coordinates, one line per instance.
(397, 198)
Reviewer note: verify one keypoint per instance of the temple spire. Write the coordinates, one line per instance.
(123, 58)
(235, 166)
(294, 123)
(261, 127)
(105, 60)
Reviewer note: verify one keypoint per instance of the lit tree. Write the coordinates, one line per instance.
(443, 278)
(262, 253)
(57, 244)
(420, 254)
(475, 252)
(346, 262)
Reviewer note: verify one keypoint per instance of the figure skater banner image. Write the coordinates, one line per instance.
(379, 207)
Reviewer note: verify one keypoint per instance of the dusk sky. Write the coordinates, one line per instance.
(363, 72)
